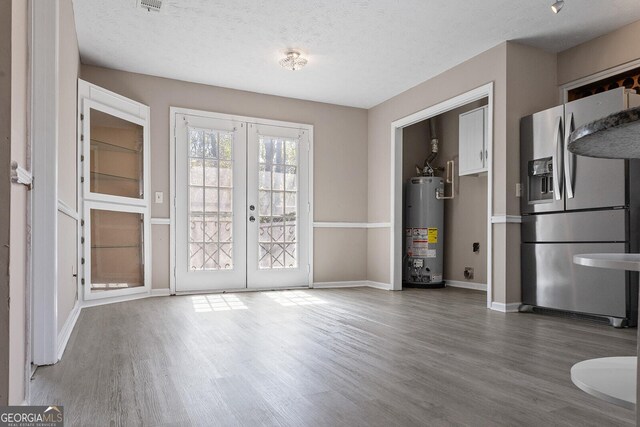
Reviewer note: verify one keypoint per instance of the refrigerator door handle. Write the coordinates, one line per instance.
(568, 158)
(557, 160)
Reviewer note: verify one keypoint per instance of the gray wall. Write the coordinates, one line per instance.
(505, 65)
(340, 161)
(489, 66)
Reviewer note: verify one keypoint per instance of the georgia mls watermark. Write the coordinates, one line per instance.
(31, 416)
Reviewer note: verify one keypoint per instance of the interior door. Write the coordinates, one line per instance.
(278, 207)
(210, 216)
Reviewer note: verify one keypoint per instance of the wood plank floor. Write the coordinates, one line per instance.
(351, 357)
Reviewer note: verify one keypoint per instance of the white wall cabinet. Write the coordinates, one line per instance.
(472, 138)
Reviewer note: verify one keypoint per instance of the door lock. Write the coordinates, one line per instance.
(252, 218)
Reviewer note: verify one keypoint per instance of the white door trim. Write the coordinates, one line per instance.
(44, 143)
(173, 111)
(485, 91)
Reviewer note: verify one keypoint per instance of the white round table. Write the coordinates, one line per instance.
(612, 379)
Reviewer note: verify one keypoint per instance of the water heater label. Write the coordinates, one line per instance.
(420, 232)
(431, 253)
(432, 235)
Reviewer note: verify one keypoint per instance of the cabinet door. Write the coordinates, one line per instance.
(472, 141)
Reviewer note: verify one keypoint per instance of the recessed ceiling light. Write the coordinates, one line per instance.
(293, 61)
(557, 6)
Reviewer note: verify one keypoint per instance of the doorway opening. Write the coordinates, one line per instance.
(464, 128)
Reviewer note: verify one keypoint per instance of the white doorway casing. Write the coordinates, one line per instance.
(485, 91)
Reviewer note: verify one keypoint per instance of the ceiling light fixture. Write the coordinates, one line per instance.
(557, 6)
(293, 61)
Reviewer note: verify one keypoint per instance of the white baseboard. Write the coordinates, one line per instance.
(506, 308)
(466, 285)
(379, 285)
(352, 284)
(347, 284)
(115, 300)
(67, 329)
(160, 292)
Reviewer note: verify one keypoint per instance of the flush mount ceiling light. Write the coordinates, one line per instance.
(293, 61)
(557, 6)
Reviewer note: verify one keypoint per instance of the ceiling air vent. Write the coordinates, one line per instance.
(151, 5)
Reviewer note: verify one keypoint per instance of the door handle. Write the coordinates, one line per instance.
(555, 163)
(252, 218)
(568, 157)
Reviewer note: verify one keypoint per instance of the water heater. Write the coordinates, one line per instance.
(424, 221)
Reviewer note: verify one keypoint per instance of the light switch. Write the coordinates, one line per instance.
(159, 197)
(518, 190)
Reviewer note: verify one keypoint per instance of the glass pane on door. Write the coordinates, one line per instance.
(116, 158)
(210, 205)
(277, 202)
(117, 250)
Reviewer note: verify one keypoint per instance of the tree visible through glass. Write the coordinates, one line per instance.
(210, 159)
(277, 202)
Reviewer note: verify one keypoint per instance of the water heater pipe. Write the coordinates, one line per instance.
(451, 180)
(434, 144)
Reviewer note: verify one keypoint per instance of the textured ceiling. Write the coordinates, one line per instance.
(360, 52)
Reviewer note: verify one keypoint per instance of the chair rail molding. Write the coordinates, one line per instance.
(336, 224)
(506, 219)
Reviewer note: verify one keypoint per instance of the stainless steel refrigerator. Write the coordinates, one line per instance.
(574, 204)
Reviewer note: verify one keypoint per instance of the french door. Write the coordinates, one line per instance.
(242, 210)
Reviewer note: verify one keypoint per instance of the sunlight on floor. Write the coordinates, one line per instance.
(291, 298)
(222, 302)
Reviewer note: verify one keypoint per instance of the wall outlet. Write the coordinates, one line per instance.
(468, 273)
(518, 190)
(159, 197)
